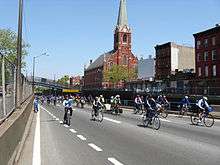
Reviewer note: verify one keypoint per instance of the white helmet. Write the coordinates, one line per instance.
(186, 97)
(205, 98)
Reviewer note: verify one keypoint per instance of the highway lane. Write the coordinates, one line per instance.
(177, 142)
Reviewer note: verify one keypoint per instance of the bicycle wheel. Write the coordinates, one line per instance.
(194, 119)
(208, 120)
(100, 116)
(68, 119)
(156, 123)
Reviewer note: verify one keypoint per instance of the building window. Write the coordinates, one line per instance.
(198, 57)
(125, 38)
(213, 41)
(199, 71)
(198, 44)
(213, 54)
(206, 43)
(214, 70)
(206, 71)
(206, 56)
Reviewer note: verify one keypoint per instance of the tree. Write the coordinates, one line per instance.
(64, 80)
(8, 45)
(119, 73)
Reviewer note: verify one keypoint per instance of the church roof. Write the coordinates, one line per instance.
(122, 16)
(99, 62)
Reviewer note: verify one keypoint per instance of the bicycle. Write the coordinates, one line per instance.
(68, 116)
(183, 111)
(99, 116)
(206, 118)
(152, 119)
(163, 110)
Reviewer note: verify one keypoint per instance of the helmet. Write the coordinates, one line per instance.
(117, 95)
(101, 95)
(186, 97)
(205, 98)
(112, 97)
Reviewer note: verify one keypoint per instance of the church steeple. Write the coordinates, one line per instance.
(122, 36)
(122, 16)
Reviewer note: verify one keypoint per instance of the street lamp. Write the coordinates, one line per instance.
(34, 58)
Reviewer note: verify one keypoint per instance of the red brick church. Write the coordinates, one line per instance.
(120, 55)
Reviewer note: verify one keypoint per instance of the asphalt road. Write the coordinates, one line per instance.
(119, 140)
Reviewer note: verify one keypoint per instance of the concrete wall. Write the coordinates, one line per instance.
(11, 131)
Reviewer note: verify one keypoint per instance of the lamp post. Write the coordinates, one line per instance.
(34, 58)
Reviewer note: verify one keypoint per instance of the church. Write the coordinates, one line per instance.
(120, 55)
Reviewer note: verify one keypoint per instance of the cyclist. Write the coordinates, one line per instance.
(116, 102)
(95, 105)
(150, 105)
(36, 106)
(185, 102)
(203, 106)
(67, 106)
(138, 103)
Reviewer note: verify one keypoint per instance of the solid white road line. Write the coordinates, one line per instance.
(73, 131)
(114, 161)
(81, 137)
(95, 147)
(114, 121)
(36, 160)
(165, 120)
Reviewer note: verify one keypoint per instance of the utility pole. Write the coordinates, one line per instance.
(19, 54)
(3, 84)
(33, 73)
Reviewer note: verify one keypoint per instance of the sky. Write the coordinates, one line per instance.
(74, 31)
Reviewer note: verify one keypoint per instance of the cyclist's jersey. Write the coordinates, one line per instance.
(138, 100)
(202, 104)
(185, 101)
(151, 103)
(67, 104)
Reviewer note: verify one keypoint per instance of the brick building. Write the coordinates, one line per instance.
(120, 55)
(171, 58)
(207, 50)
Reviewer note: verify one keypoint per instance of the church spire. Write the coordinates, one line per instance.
(122, 16)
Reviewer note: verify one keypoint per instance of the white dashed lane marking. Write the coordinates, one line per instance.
(114, 161)
(81, 137)
(73, 131)
(95, 147)
(66, 126)
(114, 121)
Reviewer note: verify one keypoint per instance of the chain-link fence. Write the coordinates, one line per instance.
(8, 87)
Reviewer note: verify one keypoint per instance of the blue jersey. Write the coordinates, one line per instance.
(185, 101)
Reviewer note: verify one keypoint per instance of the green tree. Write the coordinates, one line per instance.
(119, 73)
(8, 45)
(64, 80)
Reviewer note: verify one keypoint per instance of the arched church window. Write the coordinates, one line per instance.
(125, 38)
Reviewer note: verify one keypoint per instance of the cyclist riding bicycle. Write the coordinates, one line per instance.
(96, 105)
(150, 106)
(185, 102)
(203, 107)
(67, 103)
(138, 103)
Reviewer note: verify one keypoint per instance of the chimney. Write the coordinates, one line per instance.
(90, 62)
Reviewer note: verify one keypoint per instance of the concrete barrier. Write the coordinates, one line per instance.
(11, 131)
